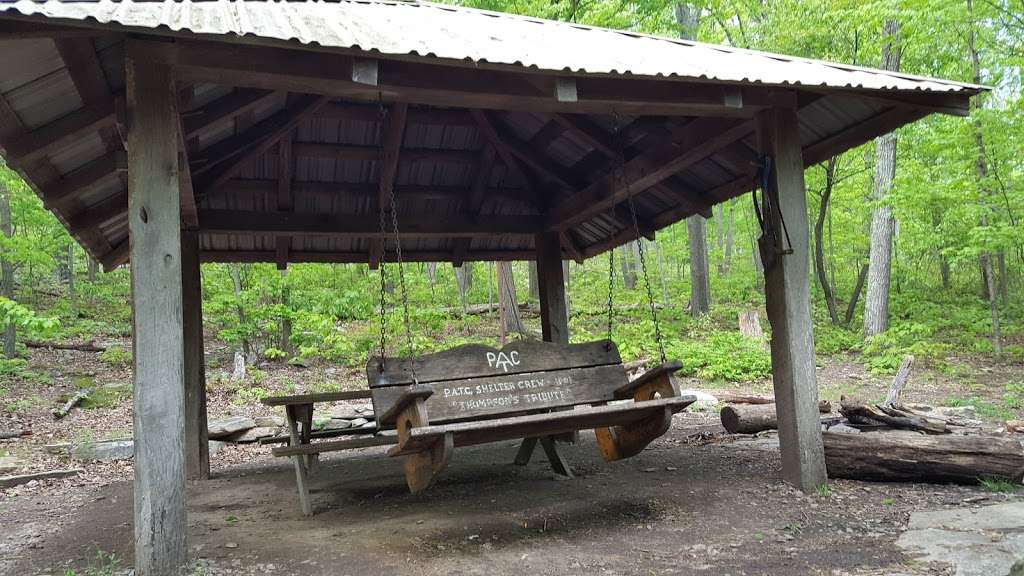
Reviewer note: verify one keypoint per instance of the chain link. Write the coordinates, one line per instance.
(381, 119)
(621, 145)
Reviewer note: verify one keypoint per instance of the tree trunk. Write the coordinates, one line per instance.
(285, 343)
(628, 263)
(851, 308)
(94, 268)
(534, 287)
(464, 281)
(700, 287)
(911, 457)
(819, 244)
(981, 170)
(688, 19)
(71, 280)
(236, 281)
(729, 234)
(509, 308)
(7, 270)
(876, 306)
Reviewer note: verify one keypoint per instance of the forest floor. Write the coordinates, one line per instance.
(697, 501)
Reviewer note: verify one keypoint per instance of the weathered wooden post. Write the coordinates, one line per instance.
(197, 443)
(554, 320)
(154, 219)
(788, 301)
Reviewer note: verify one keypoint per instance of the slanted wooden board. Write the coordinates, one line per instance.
(470, 398)
(535, 425)
(477, 361)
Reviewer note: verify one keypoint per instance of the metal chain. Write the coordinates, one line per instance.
(381, 118)
(639, 242)
(401, 282)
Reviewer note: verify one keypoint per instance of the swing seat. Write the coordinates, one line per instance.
(475, 394)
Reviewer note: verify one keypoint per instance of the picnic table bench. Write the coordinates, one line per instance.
(474, 394)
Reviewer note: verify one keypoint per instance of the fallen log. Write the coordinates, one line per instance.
(8, 434)
(754, 418)
(11, 481)
(909, 457)
(86, 347)
(75, 400)
(860, 413)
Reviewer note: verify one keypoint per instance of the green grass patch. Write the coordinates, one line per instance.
(998, 485)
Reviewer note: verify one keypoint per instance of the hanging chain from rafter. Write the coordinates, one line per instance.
(624, 181)
(382, 114)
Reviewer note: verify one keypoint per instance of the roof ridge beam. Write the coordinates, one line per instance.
(360, 225)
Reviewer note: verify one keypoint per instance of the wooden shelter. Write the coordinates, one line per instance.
(171, 133)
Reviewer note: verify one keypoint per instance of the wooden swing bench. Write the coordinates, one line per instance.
(474, 394)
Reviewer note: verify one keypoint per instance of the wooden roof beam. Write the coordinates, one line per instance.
(224, 109)
(387, 167)
(692, 143)
(62, 132)
(369, 153)
(362, 225)
(457, 86)
(222, 161)
(100, 172)
(475, 201)
(360, 257)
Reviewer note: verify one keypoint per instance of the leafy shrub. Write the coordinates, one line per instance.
(728, 356)
(116, 356)
(830, 339)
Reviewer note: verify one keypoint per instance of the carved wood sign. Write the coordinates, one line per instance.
(475, 380)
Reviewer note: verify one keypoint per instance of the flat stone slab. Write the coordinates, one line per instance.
(105, 451)
(269, 421)
(9, 464)
(252, 435)
(223, 427)
(985, 541)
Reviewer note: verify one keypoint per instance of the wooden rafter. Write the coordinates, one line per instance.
(361, 257)
(224, 109)
(226, 158)
(387, 169)
(456, 86)
(100, 172)
(61, 133)
(475, 200)
(693, 143)
(285, 195)
(359, 226)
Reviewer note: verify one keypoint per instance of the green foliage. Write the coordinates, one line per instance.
(106, 397)
(726, 356)
(116, 356)
(25, 319)
(102, 564)
(999, 485)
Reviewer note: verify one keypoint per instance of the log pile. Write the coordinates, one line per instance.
(896, 442)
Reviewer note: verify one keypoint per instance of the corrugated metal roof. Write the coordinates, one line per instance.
(402, 28)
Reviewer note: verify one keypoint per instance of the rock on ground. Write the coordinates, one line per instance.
(223, 427)
(985, 541)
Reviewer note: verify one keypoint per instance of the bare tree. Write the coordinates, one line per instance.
(819, 245)
(876, 305)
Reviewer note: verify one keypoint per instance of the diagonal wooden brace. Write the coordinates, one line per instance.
(618, 442)
(423, 467)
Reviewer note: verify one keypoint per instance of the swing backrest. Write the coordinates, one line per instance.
(474, 382)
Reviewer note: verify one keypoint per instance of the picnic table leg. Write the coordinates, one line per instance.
(525, 451)
(305, 415)
(294, 414)
(558, 464)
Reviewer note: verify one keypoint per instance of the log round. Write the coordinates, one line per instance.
(910, 457)
(754, 418)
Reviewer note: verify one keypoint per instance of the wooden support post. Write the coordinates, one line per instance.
(197, 443)
(295, 414)
(788, 302)
(154, 220)
(554, 319)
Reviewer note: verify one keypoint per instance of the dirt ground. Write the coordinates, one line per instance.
(689, 504)
(696, 501)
